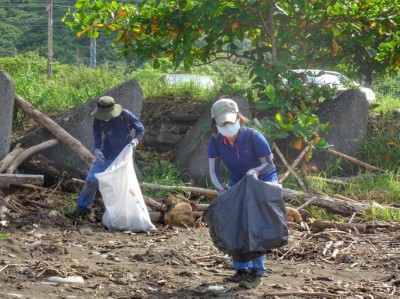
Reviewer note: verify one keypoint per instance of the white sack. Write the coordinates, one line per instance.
(123, 199)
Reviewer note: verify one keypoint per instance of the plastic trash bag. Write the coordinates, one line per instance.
(248, 220)
(123, 199)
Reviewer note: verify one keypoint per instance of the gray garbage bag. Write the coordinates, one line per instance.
(248, 220)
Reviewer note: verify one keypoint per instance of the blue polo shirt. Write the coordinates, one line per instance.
(113, 135)
(250, 145)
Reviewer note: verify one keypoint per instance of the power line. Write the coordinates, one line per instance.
(33, 5)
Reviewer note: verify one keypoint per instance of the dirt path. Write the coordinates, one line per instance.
(183, 263)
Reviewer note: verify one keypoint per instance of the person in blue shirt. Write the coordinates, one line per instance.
(243, 151)
(113, 129)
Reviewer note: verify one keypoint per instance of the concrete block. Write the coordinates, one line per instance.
(7, 92)
(78, 123)
(191, 155)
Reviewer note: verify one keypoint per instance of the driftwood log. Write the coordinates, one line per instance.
(62, 135)
(351, 159)
(29, 152)
(336, 205)
(15, 179)
(342, 206)
(10, 157)
(321, 225)
(70, 178)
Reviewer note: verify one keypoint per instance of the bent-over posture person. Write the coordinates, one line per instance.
(244, 151)
(113, 128)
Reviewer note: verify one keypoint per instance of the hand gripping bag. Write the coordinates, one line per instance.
(248, 220)
(123, 199)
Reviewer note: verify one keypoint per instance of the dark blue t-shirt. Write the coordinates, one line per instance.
(250, 145)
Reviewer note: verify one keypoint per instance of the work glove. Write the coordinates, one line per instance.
(134, 142)
(99, 156)
(253, 172)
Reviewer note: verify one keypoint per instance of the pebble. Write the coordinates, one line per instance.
(68, 279)
(216, 289)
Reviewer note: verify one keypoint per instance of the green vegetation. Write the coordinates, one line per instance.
(24, 28)
(249, 56)
(267, 38)
(69, 201)
(382, 144)
(162, 173)
(3, 236)
(72, 85)
(378, 212)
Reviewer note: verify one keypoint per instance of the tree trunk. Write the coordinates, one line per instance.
(319, 226)
(336, 205)
(10, 157)
(29, 152)
(62, 135)
(15, 179)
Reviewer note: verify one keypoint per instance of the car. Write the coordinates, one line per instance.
(334, 80)
(180, 78)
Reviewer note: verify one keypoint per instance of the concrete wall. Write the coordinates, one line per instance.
(7, 92)
(347, 115)
(78, 123)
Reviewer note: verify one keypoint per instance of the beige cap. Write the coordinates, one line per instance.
(224, 110)
(106, 109)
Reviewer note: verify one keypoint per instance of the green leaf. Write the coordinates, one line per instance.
(156, 64)
(270, 92)
(322, 144)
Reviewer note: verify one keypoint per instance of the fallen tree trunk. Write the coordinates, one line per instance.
(10, 157)
(15, 179)
(335, 205)
(52, 171)
(332, 204)
(62, 135)
(155, 204)
(319, 226)
(29, 152)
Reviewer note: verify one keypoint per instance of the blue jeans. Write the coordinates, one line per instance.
(256, 264)
(88, 193)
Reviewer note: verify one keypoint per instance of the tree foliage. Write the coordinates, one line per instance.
(268, 37)
(24, 29)
(190, 31)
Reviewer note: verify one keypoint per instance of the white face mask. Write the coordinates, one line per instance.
(229, 130)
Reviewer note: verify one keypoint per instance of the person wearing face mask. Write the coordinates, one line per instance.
(113, 129)
(243, 151)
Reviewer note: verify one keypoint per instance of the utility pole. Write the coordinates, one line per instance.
(50, 40)
(93, 52)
